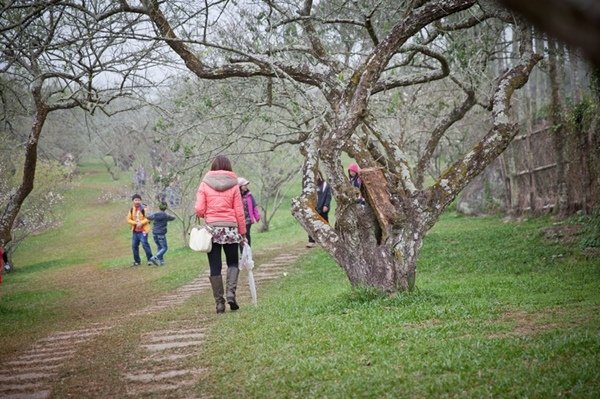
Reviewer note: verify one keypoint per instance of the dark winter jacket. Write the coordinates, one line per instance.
(159, 222)
(323, 197)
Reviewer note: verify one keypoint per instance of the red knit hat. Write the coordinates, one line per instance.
(353, 168)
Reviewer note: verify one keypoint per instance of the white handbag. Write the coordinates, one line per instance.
(201, 238)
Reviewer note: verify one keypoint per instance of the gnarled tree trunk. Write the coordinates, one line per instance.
(18, 198)
(378, 245)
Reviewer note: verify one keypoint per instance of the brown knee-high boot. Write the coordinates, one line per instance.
(216, 282)
(232, 279)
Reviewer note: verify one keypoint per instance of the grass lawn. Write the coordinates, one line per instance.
(499, 310)
(79, 273)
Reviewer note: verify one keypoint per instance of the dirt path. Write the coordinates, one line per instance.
(160, 368)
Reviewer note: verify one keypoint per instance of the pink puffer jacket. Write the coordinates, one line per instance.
(219, 202)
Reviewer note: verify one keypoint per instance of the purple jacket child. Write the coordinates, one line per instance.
(251, 211)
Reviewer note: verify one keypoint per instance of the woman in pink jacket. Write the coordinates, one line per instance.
(219, 203)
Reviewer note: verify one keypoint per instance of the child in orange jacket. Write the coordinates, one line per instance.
(140, 227)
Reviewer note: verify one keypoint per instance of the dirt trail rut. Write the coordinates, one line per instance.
(159, 371)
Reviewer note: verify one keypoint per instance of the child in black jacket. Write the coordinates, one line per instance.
(159, 233)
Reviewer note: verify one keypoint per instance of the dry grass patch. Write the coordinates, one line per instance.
(530, 323)
(96, 293)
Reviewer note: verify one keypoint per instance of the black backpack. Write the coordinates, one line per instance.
(143, 210)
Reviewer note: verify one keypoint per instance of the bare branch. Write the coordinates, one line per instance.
(457, 175)
(430, 76)
(444, 124)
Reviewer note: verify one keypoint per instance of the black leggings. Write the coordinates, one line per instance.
(214, 257)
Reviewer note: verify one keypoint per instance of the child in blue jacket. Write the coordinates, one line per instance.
(159, 232)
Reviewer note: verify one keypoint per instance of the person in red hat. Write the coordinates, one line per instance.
(355, 180)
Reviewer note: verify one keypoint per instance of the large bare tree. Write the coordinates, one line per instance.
(340, 55)
(67, 57)
(332, 59)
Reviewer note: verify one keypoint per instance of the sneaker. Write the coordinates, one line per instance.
(135, 264)
(311, 245)
(153, 261)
